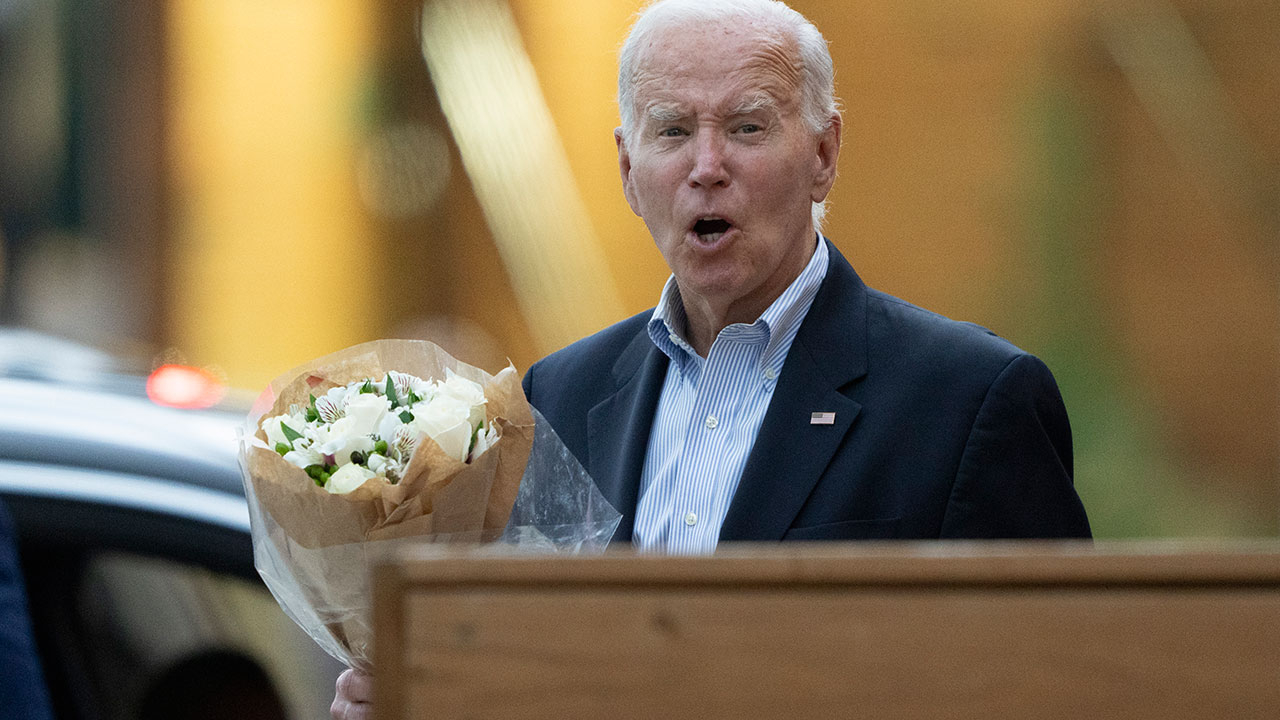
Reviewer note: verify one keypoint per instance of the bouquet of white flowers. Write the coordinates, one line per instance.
(396, 441)
(369, 428)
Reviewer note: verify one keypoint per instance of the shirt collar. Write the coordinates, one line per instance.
(668, 326)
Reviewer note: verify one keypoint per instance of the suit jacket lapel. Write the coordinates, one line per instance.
(618, 428)
(790, 453)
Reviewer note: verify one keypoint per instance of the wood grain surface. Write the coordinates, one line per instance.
(977, 630)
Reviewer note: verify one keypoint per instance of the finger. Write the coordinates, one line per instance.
(353, 696)
(343, 710)
(355, 686)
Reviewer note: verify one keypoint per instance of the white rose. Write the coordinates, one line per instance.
(445, 421)
(366, 412)
(465, 392)
(347, 478)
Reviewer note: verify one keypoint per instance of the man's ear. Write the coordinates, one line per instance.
(624, 167)
(825, 161)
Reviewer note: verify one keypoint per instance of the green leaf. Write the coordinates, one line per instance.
(367, 387)
(391, 391)
(312, 413)
(289, 432)
(406, 417)
(475, 433)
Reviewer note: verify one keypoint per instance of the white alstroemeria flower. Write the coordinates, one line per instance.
(485, 440)
(333, 404)
(312, 434)
(366, 412)
(403, 383)
(378, 464)
(465, 392)
(303, 456)
(339, 394)
(422, 388)
(348, 478)
(404, 442)
(390, 423)
(343, 438)
(445, 421)
(271, 426)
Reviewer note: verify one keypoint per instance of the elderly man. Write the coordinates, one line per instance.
(771, 395)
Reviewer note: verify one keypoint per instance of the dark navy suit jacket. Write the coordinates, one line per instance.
(22, 689)
(942, 429)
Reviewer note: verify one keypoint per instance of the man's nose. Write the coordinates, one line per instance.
(709, 161)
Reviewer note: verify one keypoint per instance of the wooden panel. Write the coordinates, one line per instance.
(923, 631)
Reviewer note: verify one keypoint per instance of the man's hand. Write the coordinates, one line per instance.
(353, 699)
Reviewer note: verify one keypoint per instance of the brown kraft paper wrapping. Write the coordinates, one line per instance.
(314, 549)
(438, 494)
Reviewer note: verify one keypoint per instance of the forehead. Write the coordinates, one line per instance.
(716, 64)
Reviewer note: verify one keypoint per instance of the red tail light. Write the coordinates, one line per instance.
(182, 386)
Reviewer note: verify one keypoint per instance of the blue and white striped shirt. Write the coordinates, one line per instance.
(710, 412)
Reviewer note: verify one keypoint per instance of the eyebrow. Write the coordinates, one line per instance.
(667, 112)
(664, 112)
(757, 102)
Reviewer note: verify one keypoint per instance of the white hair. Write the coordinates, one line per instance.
(818, 102)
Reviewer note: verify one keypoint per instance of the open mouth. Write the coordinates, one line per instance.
(711, 229)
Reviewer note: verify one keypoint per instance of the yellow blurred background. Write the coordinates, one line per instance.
(251, 184)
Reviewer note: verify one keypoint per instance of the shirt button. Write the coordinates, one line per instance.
(769, 374)
(712, 422)
(691, 519)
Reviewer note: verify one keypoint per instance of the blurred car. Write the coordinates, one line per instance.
(134, 539)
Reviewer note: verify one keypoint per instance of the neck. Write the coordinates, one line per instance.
(708, 315)
(706, 320)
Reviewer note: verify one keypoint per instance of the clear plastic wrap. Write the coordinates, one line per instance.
(315, 551)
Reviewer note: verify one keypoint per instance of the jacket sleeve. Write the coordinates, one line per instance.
(1015, 475)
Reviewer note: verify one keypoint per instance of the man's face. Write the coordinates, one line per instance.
(721, 166)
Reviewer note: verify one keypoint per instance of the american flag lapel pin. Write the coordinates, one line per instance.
(822, 418)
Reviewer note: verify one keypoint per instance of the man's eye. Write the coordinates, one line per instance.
(749, 128)
(671, 132)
